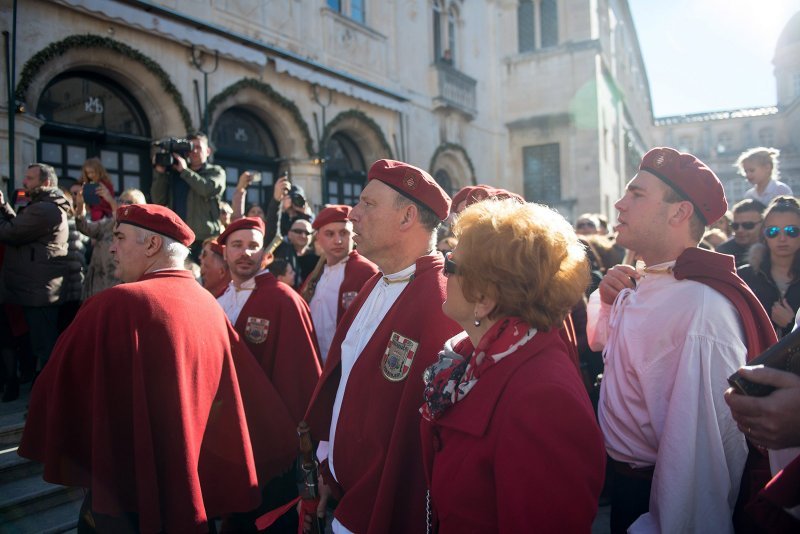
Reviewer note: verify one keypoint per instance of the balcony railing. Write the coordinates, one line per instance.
(456, 89)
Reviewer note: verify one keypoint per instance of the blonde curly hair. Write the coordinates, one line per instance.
(525, 257)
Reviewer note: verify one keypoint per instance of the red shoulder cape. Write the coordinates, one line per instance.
(276, 326)
(718, 271)
(141, 403)
(377, 453)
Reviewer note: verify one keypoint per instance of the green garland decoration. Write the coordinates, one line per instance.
(362, 117)
(59, 48)
(272, 95)
(457, 148)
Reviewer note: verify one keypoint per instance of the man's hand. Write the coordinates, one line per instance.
(104, 193)
(772, 421)
(281, 188)
(180, 163)
(616, 279)
(2, 198)
(80, 207)
(324, 494)
(782, 314)
(245, 179)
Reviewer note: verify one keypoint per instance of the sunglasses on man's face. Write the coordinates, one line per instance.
(450, 267)
(299, 231)
(746, 225)
(774, 231)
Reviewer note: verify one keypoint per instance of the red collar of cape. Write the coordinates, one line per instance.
(718, 271)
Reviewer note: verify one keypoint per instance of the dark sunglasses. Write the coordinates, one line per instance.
(746, 225)
(774, 231)
(297, 231)
(450, 267)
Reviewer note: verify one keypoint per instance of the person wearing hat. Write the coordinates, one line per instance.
(330, 290)
(214, 270)
(340, 275)
(673, 329)
(142, 402)
(273, 319)
(365, 409)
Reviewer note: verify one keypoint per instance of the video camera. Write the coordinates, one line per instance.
(296, 193)
(165, 147)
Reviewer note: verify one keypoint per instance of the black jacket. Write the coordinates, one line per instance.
(757, 275)
(37, 244)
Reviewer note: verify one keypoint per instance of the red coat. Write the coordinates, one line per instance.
(275, 323)
(141, 403)
(522, 452)
(378, 457)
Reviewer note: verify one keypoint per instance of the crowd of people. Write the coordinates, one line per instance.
(474, 364)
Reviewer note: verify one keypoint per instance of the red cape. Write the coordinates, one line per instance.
(276, 326)
(141, 403)
(783, 491)
(718, 271)
(377, 452)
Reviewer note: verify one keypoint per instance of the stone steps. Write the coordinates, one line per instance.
(28, 504)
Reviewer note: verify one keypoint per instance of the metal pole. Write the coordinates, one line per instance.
(12, 100)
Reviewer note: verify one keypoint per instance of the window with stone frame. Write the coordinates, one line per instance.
(537, 24)
(445, 28)
(542, 173)
(354, 9)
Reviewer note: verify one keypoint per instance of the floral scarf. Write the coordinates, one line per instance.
(453, 376)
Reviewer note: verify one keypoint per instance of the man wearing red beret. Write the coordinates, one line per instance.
(330, 291)
(143, 401)
(273, 320)
(365, 409)
(673, 329)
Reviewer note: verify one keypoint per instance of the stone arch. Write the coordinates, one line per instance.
(142, 77)
(280, 114)
(365, 133)
(454, 159)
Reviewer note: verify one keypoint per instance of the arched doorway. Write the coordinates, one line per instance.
(242, 142)
(345, 172)
(88, 115)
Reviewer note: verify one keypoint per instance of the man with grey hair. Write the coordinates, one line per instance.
(144, 401)
(35, 263)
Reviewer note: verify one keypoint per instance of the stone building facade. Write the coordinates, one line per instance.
(548, 98)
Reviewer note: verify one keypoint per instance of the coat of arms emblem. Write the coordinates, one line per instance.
(256, 329)
(347, 298)
(398, 357)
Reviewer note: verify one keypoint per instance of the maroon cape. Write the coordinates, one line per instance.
(783, 491)
(377, 452)
(275, 323)
(504, 459)
(141, 403)
(719, 272)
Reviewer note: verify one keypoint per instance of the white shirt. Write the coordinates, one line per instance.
(669, 347)
(774, 188)
(233, 300)
(325, 305)
(369, 317)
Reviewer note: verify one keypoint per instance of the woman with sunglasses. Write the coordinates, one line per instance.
(510, 442)
(774, 270)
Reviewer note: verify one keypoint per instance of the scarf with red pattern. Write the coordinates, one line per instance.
(453, 376)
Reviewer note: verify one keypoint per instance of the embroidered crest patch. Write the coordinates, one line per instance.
(410, 180)
(256, 329)
(398, 357)
(347, 298)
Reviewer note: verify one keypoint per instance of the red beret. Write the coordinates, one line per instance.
(245, 223)
(331, 214)
(471, 194)
(690, 178)
(413, 183)
(158, 219)
(475, 193)
(216, 248)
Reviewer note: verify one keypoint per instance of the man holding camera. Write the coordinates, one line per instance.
(35, 261)
(192, 187)
(287, 205)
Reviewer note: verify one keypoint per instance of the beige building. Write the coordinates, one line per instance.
(718, 138)
(548, 98)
